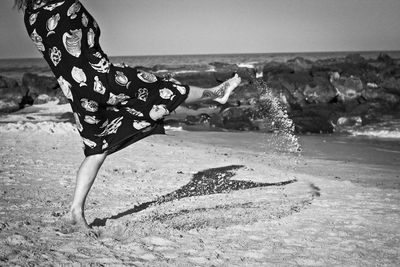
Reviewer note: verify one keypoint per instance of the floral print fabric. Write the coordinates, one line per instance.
(113, 106)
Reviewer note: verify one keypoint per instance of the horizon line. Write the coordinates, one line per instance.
(218, 54)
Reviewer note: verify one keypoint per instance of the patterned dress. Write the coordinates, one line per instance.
(113, 106)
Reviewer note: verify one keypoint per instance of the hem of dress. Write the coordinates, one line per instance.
(157, 128)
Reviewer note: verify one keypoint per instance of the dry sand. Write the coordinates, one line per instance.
(155, 204)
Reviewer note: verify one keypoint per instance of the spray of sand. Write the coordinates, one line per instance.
(270, 109)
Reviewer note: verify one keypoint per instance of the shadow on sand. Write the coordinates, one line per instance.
(207, 182)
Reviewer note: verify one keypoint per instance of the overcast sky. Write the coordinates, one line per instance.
(157, 27)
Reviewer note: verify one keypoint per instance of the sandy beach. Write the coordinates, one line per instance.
(198, 199)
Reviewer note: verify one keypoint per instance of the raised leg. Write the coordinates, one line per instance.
(218, 94)
(84, 180)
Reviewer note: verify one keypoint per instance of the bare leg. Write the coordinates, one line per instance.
(84, 180)
(219, 93)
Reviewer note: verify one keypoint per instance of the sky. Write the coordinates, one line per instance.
(168, 27)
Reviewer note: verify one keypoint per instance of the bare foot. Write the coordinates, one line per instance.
(224, 90)
(75, 223)
(71, 223)
(77, 218)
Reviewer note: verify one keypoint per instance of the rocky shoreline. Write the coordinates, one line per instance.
(321, 96)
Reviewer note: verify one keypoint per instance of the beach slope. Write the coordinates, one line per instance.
(197, 199)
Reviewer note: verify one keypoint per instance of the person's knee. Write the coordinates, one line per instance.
(97, 158)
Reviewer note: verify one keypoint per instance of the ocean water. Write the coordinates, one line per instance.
(16, 67)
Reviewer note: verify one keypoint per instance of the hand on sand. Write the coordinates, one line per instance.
(226, 88)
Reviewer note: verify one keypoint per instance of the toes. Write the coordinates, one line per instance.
(93, 234)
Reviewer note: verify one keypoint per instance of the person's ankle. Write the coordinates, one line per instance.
(76, 210)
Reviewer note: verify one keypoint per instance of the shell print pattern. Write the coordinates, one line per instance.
(52, 23)
(104, 124)
(105, 145)
(90, 37)
(139, 125)
(180, 88)
(77, 122)
(115, 99)
(158, 112)
(112, 105)
(134, 112)
(85, 20)
(55, 55)
(103, 66)
(37, 40)
(74, 8)
(165, 93)
(91, 120)
(65, 87)
(146, 76)
(121, 79)
(112, 127)
(72, 42)
(89, 143)
(79, 76)
(89, 105)
(142, 94)
(32, 18)
(38, 4)
(53, 6)
(112, 108)
(98, 86)
(98, 55)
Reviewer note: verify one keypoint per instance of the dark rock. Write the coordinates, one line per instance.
(369, 111)
(27, 100)
(272, 68)
(8, 105)
(203, 118)
(347, 87)
(320, 93)
(312, 124)
(298, 79)
(12, 93)
(243, 94)
(385, 58)
(200, 79)
(246, 73)
(345, 124)
(39, 84)
(349, 121)
(43, 99)
(377, 93)
(317, 118)
(67, 116)
(235, 118)
(224, 65)
(300, 64)
(392, 85)
(6, 82)
(355, 59)
(60, 96)
(216, 120)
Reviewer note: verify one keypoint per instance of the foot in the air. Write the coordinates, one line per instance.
(224, 90)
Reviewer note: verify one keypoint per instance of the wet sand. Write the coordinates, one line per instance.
(201, 199)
